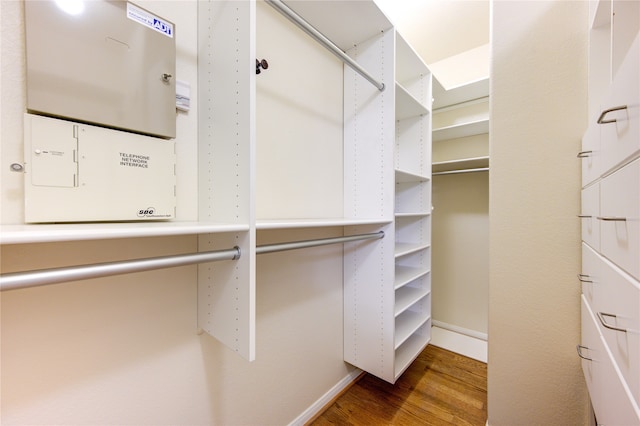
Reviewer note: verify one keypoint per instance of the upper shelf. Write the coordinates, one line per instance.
(43, 233)
(461, 130)
(316, 222)
(456, 95)
(406, 105)
(461, 164)
(337, 22)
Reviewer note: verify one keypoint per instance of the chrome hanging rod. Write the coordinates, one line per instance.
(320, 38)
(270, 248)
(18, 280)
(452, 172)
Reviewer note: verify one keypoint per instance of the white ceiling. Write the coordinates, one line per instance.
(438, 29)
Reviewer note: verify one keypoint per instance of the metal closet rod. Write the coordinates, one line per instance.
(320, 38)
(18, 280)
(271, 248)
(453, 172)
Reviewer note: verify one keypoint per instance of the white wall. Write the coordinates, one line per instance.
(461, 251)
(538, 115)
(439, 29)
(125, 350)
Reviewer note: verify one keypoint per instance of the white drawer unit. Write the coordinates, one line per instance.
(610, 215)
(619, 218)
(589, 214)
(620, 116)
(612, 401)
(617, 308)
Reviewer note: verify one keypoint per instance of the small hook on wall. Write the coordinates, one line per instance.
(261, 64)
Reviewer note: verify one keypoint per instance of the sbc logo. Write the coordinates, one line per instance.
(146, 212)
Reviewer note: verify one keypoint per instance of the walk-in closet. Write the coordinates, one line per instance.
(227, 212)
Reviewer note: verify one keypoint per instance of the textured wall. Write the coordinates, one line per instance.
(538, 115)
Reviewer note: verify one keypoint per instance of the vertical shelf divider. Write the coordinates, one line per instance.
(226, 137)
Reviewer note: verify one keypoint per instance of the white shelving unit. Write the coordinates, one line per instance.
(387, 342)
(383, 181)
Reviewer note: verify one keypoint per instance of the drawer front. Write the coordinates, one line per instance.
(620, 118)
(617, 309)
(590, 276)
(620, 218)
(588, 216)
(590, 351)
(612, 401)
(590, 154)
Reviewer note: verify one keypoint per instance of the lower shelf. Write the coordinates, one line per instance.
(411, 348)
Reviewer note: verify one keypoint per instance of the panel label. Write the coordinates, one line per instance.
(134, 160)
(147, 19)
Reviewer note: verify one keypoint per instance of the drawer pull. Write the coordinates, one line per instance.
(583, 278)
(601, 316)
(579, 348)
(584, 154)
(612, 218)
(601, 119)
(584, 216)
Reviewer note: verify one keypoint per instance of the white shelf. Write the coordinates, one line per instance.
(410, 349)
(405, 176)
(316, 222)
(337, 22)
(461, 164)
(406, 274)
(45, 233)
(409, 65)
(406, 324)
(461, 130)
(412, 214)
(456, 95)
(407, 296)
(402, 249)
(406, 105)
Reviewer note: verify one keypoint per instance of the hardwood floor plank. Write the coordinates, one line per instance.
(439, 388)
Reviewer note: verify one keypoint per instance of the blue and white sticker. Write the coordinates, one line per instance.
(147, 19)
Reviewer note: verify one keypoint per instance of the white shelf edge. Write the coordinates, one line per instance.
(407, 326)
(409, 351)
(47, 233)
(455, 131)
(455, 95)
(409, 297)
(463, 163)
(316, 222)
(406, 176)
(407, 106)
(403, 249)
(406, 274)
(412, 214)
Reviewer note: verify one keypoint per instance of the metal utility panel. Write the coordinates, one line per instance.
(82, 173)
(110, 63)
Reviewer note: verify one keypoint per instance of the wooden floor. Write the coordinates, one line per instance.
(439, 388)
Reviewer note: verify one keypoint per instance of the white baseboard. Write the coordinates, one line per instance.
(459, 343)
(325, 399)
